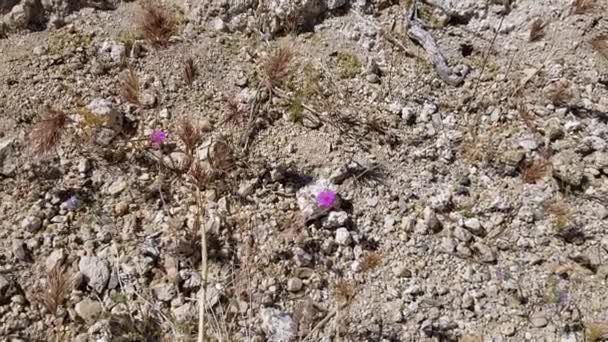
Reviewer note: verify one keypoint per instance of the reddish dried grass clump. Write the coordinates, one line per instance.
(58, 283)
(47, 133)
(583, 6)
(129, 87)
(600, 44)
(533, 171)
(189, 134)
(276, 67)
(156, 24)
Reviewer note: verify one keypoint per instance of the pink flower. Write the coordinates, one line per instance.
(326, 198)
(157, 137)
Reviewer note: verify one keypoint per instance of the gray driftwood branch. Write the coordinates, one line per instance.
(417, 32)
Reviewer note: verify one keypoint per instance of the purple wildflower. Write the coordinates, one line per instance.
(157, 137)
(326, 198)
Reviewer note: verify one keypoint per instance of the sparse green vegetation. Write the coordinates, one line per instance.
(349, 65)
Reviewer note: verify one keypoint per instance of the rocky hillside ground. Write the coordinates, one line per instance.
(304, 170)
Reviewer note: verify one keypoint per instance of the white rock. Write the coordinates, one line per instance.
(164, 292)
(307, 199)
(294, 284)
(117, 187)
(335, 219)
(343, 236)
(278, 326)
(88, 309)
(55, 258)
(96, 272)
(31, 223)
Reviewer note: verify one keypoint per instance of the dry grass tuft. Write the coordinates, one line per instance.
(58, 283)
(600, 44)
(189, 134)
(47, 133)
(596, 331)
(189, 70)
(537, 30)
(583, 6)
(535, 170)
(156, 23)
(371, 261)
(344, 291)
(129, 87)
(276, 67)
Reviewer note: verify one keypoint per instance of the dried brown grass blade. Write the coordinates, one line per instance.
(47, 133)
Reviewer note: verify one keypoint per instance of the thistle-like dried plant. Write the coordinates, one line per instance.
(371, 261)
(344, 291)
(47, 133)
(583, 6)
(600, 44)
(276, 67)
(58, 283)
(129, 87)
(189, 134)
(537, 30)
(533, 171)
(156, 23)
(190, 70)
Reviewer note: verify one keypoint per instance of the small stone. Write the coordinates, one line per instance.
(335, 219)
(185, 313)
(343, 236)
(88, 309)
(148, 100)
(462, 234)
(538, 320)
(84, 165)
(96, 272)
(486, 254)
(474, 226)
(448, 245)
(39, 50)
(121, 208)
(394, 311)
(117, 187)
(335, 4)
(247, 187)
(508, 329)
(294, 284)
(56, 258)
(528, 144)
(164, 114)
(278, 326)
(408, 114)
(372, 78)
(402, 271)
(164, 292)
(31, 223)
(218, 25)
(567, 166)
(104, 110)
(431, 221)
